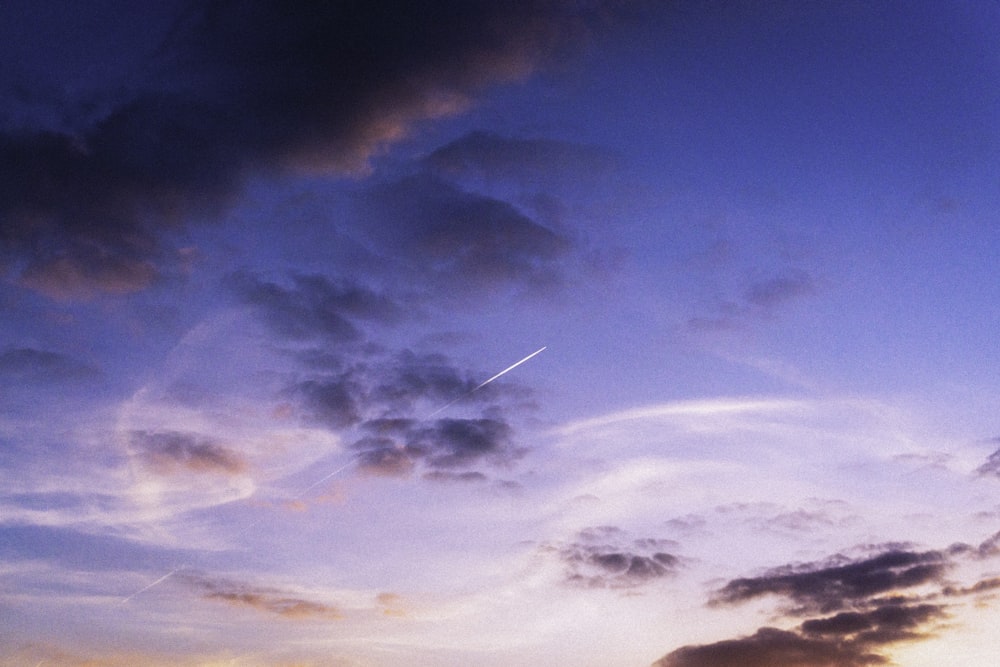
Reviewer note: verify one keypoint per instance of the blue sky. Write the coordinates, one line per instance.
(259, 258)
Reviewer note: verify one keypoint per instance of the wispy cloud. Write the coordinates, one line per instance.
(268, 600)
(760, 299)
(459, 239)
(172, 452)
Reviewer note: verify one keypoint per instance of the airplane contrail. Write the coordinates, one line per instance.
(480, 386)
(320, 481)
(155, 583)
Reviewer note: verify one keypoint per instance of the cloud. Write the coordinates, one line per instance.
(384, 459)
(461, 477)
(759, 300)
(351, 383)
(452, 443)
(409, 377)
(843, 640)
(603, 557)
(992, 466)
(770, 647)
(242, 88)
(173, 452)
(314, 306)
(442, 445)
(887, 623)
(331, 400)
(30, 365)
(437, 231)
(857, 608)
(824, 588)
(267, 600)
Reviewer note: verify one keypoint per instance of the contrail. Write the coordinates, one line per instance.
(320, 481)
(155, 583)
(480, 386)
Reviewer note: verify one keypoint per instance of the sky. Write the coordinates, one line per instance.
(593, 333)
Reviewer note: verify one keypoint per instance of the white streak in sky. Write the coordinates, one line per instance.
(320, 481)
(510, 368)
(155, 583)
(480, 386)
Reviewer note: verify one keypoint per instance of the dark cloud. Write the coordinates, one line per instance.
(992, 466)
(245, 87)
(885, 624)
(315, 306)
(30, 365)
(446, 235)
(441, 445)
(828, 588)
(455, 443)
(770, 647)
(842, 640)
(268, 600)
(871, 614)
(409, 377)
(173, 452)
(603, 557)
(332, 400)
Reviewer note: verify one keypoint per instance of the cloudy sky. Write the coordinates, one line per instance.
(263, 264)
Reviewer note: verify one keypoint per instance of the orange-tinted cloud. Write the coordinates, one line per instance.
(267, 600)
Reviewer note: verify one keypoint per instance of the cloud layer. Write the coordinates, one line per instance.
(241, 88)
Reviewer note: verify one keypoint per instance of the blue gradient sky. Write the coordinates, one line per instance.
(249, 250)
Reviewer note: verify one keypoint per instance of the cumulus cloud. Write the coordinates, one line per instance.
(604, 557)
(376, 397)
(350, 382)
(441, 445)
(250, 87)
(173, 452)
